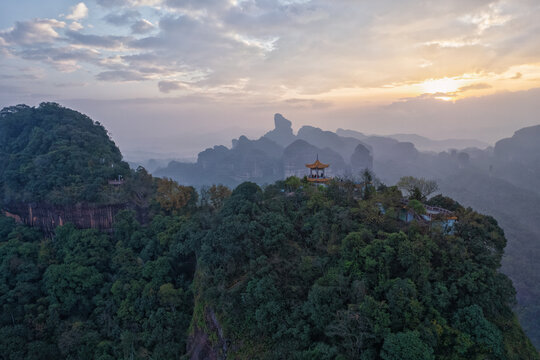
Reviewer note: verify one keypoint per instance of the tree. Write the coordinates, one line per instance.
(368, 189)
(406, 346)
(217, 194)
(171, 196)
(417, 187)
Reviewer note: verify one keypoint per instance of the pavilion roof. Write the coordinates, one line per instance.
(317, 165)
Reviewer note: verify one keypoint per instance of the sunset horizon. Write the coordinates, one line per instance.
(382, 68)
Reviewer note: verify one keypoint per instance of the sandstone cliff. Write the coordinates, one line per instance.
(47, 217)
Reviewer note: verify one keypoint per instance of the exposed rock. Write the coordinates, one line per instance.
(47, 217)
(200, 345)
(361, 158)
(300, 153)
(326, 139)
(523, 147)
(282, 133)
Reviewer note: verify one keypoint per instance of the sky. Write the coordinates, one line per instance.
(177, 76)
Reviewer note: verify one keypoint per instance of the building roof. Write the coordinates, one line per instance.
(317, 165)
(318, 180)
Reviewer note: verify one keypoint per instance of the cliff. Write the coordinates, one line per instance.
(47, 217)
(207, 341)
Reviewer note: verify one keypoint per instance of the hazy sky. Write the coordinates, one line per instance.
(207, 69)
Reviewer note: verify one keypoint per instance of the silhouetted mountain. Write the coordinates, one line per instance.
(361, 159)
(345, 146)
(427, 144)
(282, 134)
(517, 159)
(255, 160)
(523, 147)
(264, 144)
(383, 148)
(300, 153)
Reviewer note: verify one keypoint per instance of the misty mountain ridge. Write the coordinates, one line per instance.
(427, 144)
(486, 179)
(281, 244)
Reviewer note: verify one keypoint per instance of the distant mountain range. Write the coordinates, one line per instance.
(421, 142)
(424, 143)
(503, 180)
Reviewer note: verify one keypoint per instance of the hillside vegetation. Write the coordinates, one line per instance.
(289, 271)
(285, 271)
(56, 155)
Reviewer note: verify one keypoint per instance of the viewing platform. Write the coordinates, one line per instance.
(316, 172)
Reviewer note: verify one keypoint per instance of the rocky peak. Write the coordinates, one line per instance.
(282, 133)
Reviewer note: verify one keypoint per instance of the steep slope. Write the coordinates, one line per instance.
(56, 166)
(300, 153)
(308, 273)
(517, 159)
(345, 146)
(282, 133)
(517, 211)
(56, 155)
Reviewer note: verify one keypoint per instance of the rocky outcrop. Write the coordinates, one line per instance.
(327, 139)
(282, 133)
(207, 341)
(47, 217)
(300, 153)
(523, 147)
(361, 158)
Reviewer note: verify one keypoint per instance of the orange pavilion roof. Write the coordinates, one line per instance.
(317, 165)
(318, 180)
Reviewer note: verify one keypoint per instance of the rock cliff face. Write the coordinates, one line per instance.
(282, 133)
(208, 343)
(300, 153)
(47, 217)
(361, 158)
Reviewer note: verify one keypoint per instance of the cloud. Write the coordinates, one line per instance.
(478, 86)
(291, 49)
(118, 3)
(168, 86)
(142, 26)
(65, 59)
(19, 76)
(120, 75)
(308, 103)
(112, 3)
(122, 18)
(517, 76)
(35, 31)
(78, 12)
(108, 41)
(75, 26)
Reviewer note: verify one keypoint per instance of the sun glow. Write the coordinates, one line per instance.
(444, 85)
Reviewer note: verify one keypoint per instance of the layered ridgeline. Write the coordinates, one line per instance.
(291, 270)
(502, 181)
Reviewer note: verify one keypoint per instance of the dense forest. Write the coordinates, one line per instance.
(284, 271)
(502, 181)
(288, 271)
(56, 155)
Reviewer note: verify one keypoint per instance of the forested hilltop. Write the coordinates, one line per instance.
(288, 271)
(502, 181)
(285, 271)
(56, 155)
